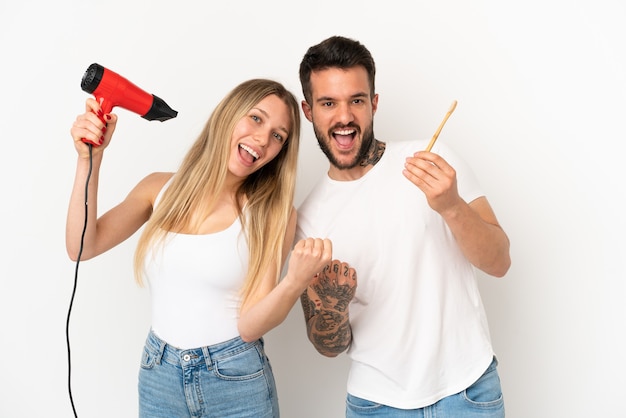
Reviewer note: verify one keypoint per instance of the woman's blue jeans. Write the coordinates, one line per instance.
(229, 379)
(483, 399)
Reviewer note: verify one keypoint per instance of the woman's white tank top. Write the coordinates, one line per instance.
(194, 283)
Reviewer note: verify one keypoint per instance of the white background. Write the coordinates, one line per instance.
(541, 90)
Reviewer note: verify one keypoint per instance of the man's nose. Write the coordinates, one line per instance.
(344, 114)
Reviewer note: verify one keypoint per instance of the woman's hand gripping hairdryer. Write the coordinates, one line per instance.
(111, 89)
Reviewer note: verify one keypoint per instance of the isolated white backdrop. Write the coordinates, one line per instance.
(541, 89)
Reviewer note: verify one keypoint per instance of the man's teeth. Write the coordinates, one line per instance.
(345, 132)
(250, 151)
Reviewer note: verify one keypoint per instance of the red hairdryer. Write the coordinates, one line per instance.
(115, 90)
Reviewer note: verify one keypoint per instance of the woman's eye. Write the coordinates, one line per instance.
(255, 118)
(279, 137)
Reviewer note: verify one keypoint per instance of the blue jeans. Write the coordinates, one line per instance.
(229, 379)
(483, 399)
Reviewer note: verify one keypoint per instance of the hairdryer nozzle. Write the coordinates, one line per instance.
(160, 110)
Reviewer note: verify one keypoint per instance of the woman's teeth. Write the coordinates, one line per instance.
(250, 151)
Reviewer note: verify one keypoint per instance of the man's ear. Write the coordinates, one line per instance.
(307, 110)
(374, 103)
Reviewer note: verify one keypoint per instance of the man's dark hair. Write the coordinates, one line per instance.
(335, 52)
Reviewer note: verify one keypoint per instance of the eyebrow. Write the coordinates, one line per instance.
(332, 99)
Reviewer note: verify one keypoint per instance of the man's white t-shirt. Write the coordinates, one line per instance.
(419, 328)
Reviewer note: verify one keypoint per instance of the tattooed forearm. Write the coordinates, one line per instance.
(327, 322)
(325, 306)
(308, 307)
(332, 295)
(333, 342)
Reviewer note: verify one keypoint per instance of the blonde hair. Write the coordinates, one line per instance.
(200, 179)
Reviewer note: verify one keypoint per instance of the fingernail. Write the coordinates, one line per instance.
(108, 117)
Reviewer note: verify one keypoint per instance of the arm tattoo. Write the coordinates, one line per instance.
(326, 316)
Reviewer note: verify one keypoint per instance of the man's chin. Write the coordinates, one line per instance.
(343, 160)
(344, 163)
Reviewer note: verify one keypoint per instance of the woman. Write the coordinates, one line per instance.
(217, 234)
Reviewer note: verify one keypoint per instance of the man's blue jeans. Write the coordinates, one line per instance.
(483, 399)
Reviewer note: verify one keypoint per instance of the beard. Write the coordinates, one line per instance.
(367, 139)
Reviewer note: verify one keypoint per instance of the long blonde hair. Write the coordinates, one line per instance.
(200, 179)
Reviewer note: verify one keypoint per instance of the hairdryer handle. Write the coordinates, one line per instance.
(100, 116)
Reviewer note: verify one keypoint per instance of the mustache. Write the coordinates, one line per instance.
(343, 126)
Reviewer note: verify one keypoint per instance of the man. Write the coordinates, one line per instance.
(413, 225)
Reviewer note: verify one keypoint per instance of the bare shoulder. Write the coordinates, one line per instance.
(157, 179)
(149, 187)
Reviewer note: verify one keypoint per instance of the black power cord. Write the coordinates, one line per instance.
(69, 311)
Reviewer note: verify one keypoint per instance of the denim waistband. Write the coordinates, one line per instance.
(195, 356)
